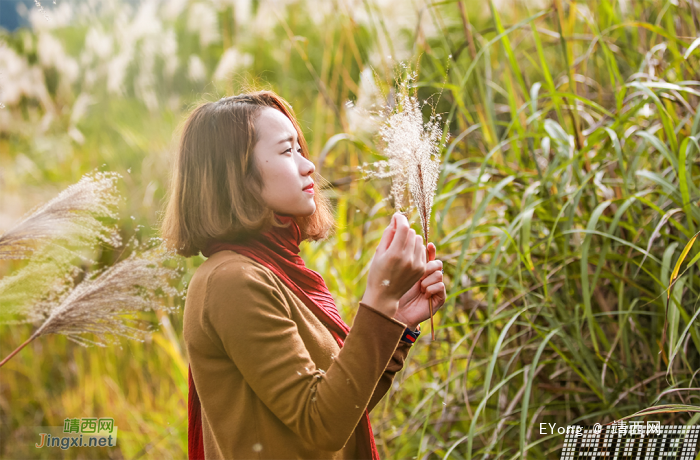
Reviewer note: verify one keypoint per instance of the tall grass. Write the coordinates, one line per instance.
(567, 194)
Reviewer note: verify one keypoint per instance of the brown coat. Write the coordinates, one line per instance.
(272, 381)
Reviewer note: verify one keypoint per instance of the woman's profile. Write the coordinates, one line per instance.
(275, 373)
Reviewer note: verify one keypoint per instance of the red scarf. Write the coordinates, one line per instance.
(278, 250)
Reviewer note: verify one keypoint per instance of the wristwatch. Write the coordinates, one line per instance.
(410, 336)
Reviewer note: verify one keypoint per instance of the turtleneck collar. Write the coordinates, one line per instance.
(289, 237)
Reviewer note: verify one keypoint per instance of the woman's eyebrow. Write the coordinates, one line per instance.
(286, 139)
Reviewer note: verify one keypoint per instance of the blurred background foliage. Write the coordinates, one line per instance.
(568, 191)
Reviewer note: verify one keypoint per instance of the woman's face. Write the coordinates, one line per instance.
(285, 172)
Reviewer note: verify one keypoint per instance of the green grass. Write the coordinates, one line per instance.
(561, 213)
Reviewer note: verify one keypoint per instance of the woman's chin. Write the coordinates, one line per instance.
(310, 212)
(302, 213)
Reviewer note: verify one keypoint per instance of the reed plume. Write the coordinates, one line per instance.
(50, 271)
(413, 148)
(75, 216)
(103, 302)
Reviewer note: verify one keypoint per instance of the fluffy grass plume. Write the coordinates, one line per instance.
(75, 216)
(413, 148)
(50, 270)
(104, 302)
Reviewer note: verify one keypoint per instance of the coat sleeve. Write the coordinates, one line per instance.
(251, 319)
(395, 365)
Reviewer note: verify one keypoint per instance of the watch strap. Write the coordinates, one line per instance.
(410, 336)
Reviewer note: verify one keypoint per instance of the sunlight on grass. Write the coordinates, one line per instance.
(565, 207)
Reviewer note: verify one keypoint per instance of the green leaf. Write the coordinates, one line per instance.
(685, 252)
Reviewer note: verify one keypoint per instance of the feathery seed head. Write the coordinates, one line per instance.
(413, 148)
(104, 303)
(74, 216)
(49, 274)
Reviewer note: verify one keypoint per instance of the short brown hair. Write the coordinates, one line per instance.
(215, 185)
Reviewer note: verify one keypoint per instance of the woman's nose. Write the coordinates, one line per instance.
(308, 167)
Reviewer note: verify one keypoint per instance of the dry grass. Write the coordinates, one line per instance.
(73, 218)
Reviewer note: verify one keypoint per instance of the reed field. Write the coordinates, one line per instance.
(567, 203)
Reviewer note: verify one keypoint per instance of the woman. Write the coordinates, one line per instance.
(274, 371)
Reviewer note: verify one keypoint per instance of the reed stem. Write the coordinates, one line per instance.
(34, 336)
(430, 301)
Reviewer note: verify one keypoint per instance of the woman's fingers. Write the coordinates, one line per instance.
(410, 246)
(436, 289)
(388, 235)
(433, 266)
(419, 251)
(431, 251)
(432, 279)
(401, 233)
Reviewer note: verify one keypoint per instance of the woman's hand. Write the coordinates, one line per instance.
(413, 306)
(397, 265)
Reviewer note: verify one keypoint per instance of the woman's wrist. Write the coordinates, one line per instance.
(413, 327)
(385, 304)
(410, 325)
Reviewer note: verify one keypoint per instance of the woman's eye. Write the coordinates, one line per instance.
(289, 150)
